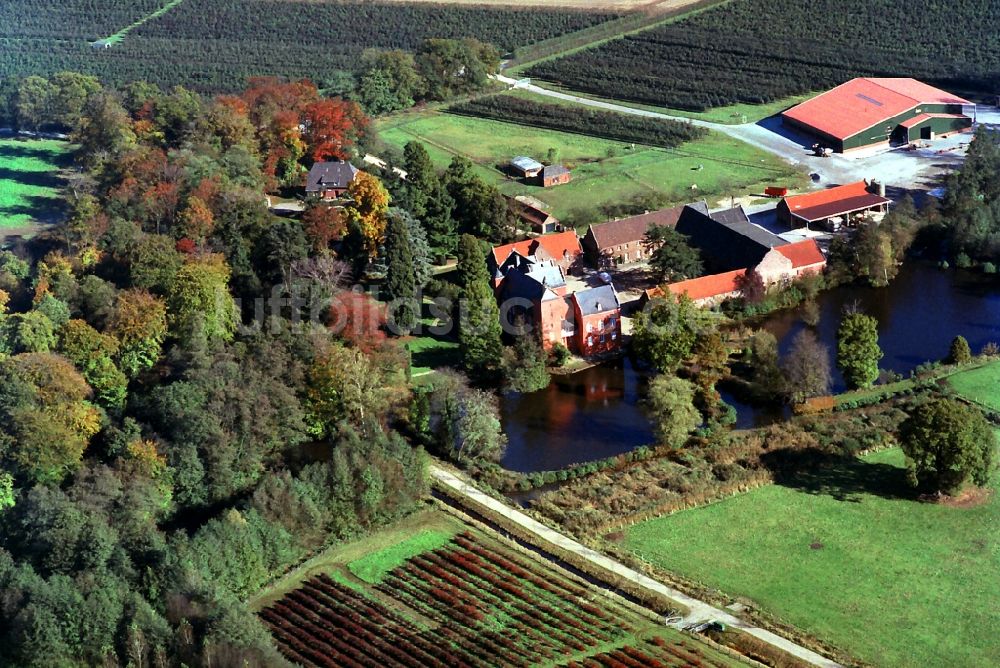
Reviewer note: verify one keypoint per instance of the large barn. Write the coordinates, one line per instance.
(867, 112)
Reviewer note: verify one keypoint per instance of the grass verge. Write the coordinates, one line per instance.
(372, 567)
(980, 385)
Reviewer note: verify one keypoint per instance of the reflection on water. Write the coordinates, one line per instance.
(581, 417)
(596, 413)
(919, 314)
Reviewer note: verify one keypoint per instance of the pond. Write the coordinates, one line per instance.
(588, 415)
(919, 314)
(596, 413)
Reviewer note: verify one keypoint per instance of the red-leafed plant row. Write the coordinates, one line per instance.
(471, 605)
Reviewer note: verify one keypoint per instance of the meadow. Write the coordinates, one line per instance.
(605, 172)
(847, 555)
(433, 591)
(981, 385)
(30, 181)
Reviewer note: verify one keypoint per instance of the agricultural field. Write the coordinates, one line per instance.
(605, 172)
(739, 53)
(849, 556)
(981, 385)
(214, 45)
(449, 595)
(30, 181)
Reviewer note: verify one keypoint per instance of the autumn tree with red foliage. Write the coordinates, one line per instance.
(332, 128)
(751, 287)
(323, 224)
(358, 320)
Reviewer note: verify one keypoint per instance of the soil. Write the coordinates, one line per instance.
(973, 497)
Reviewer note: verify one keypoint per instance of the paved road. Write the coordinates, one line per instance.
(699, 610)
(897, 167)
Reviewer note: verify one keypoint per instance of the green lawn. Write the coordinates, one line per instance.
(29, 180)
(846, 555)
(981, 385)
(604, 171)
(373, 566)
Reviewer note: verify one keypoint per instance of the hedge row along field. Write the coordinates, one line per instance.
(480, 605)
(605, 124)
(757, 51)
(216, 45)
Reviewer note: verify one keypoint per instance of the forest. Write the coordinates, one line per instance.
(605, 124)
(193, 397)
(757, 51)
(216, 45)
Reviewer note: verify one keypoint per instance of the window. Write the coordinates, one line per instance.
(614, 336)
(589, 327)
(590, 340)
(602, 338)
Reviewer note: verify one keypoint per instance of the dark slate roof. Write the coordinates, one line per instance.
(324, 175)
(531, 280)
(626, 230)
(727, 239)
(597, 300)
(550, 171)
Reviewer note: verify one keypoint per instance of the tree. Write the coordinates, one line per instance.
(672, 257)
(479, 208)
(806, 368)
(947, 443)
(524, 364)
(463, 423)
(323, 224)
(426, 197)
(479, 321)
(332, 128)
(199, 303)
(451, 67)
(196, 220)
(763, 350)
(664, 333)
(93, 354)
(33, 103)
(368, 209)
(46, 421)
(751, 286)
(344, 385)
(419, 247)
(959, 352)
(711, 361)
(139, 322)
(400, 280)
(70, 93)
(389, 81)
(857, 350)
(671, 402)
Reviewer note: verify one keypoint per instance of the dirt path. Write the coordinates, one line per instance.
(699, 610)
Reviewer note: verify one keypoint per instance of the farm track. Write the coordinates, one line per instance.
(700, 612)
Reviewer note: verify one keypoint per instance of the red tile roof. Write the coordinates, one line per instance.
(706, 287)
(863, 103)
(556, 245)
(836, 201)
(802, 253)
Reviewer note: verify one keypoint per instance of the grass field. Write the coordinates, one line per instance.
(29, 181)
(846, 555)
(981, 385)
(604, 171)
(432, 590)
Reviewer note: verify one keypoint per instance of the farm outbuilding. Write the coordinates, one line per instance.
(554, 175)
(867, 112)
(526, 167)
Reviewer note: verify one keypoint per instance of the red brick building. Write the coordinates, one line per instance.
(563, 248)
(621, 241)
(554, 175)
(833, 207)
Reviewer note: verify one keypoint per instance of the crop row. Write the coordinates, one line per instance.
(606, 124)
(739, 53)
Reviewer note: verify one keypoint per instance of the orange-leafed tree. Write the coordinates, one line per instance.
(332, 128)
(139, 322)
(368, 208)
(196, 220)
(358, 320)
